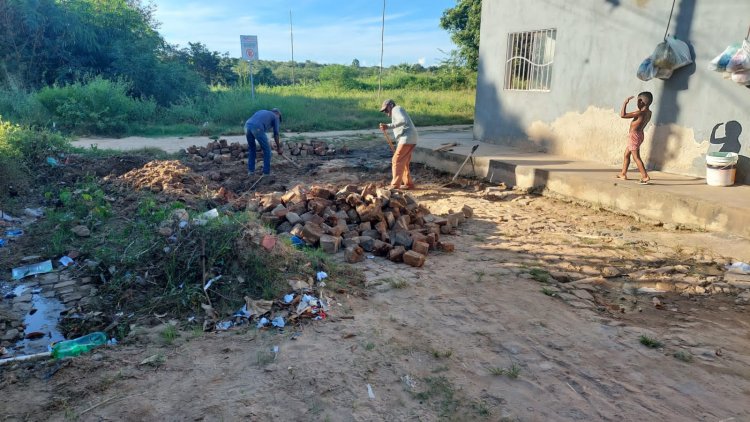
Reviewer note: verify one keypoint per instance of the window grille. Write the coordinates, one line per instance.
(530, 56)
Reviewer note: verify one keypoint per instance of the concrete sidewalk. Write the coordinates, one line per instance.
(669, 198)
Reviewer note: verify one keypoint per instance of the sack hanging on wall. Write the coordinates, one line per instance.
(741, 59)
(742, 77)
(720, 62)
(669, 55)
(672, 54)
(646, 71)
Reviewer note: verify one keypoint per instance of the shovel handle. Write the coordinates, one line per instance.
(388, 138)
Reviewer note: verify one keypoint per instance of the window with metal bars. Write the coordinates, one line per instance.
(530, 57)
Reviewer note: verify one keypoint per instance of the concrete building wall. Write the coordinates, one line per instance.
(599, 45)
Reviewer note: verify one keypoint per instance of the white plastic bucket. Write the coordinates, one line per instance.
(721, 168)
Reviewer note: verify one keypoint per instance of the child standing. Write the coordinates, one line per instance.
(640, 117)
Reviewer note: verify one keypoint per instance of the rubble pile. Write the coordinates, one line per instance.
(221, 151)
(359, 220)
(168, 176)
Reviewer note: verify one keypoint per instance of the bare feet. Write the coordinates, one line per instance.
(621, 176)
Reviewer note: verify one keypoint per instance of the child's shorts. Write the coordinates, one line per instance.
(635, 139)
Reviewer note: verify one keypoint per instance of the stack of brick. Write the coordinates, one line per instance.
(366, 220)
(218, 151)
(221, 152)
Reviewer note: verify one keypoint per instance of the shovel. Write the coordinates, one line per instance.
(256, 182)
(468, 157)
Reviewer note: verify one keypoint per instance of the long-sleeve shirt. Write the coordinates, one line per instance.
(403, 127)
(264, 119)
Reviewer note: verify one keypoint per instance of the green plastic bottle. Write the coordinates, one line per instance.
(78, 346)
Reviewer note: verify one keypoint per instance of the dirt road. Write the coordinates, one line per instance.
(537, 316)
(177, 143)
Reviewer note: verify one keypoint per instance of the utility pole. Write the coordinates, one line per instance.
(291, 36)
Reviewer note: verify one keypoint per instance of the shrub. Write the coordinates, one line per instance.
(98, 106)
(23, 148)
(340, 76)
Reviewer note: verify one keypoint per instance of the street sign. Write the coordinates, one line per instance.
(249, 44)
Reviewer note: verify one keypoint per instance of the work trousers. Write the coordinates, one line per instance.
(253, 134)
(400, 165)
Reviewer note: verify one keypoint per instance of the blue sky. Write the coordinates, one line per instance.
(325, 31)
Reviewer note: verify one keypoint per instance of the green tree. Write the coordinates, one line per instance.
(355, 63)
(463, 22)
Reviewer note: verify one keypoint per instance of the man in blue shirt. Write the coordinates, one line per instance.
(255, 130)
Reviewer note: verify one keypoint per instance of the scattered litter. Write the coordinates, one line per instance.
(34, 212)
(183, 224)
(78, 346)
(52, 162)
(224, 325)
(7, 217)
(112, 342)
(275, 350)
(289, 298)
(321, 275)
(370, 256)
(262, 322)
(12, 233)
(10, 295)
(66, 260)
(243, 312)
(191, 319)
(409, 382)
(34, 269)
(208, 215)
(650, 290)
(297, 242)
(210, 282)
(278, 322)
(2, 242)
(738, 267)
(370, 393)
(298, 285)
(36, 291)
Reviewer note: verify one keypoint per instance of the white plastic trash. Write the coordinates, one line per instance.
(721, 168)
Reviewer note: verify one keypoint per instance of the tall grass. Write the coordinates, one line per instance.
(102, 107)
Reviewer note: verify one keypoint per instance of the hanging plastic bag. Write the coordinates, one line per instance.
(741, 59)
(663, 73)
(672, 54)
(646, 71)
(742, 77)
(720, 62)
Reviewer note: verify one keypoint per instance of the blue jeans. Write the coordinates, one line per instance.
(253, 134)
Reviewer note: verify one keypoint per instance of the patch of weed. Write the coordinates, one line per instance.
(513, 371)
(440, 393)
(442, 354)
(169, 334)
(683, 355)
(398, 283)
(539, 275)
(369, 346)
(650, 342)
(265, 357)
(549, 292)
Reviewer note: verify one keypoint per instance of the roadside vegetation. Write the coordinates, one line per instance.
(84, 78)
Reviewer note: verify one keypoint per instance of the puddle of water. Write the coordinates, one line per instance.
(43, 317)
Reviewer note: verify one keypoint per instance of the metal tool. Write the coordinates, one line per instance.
(256, 182)
(296, 164)
(388, 138)
(470, 156)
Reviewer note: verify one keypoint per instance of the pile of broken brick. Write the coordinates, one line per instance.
(373, 220)
(220, 151)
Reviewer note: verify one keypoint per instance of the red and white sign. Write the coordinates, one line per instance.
(249, 44)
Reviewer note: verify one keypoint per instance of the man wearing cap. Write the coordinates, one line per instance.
(255, 130)
(407, 137)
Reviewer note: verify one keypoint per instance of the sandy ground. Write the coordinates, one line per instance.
(470, 336)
